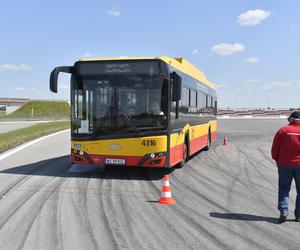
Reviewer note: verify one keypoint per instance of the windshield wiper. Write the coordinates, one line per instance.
(110, 129)
(130, 122)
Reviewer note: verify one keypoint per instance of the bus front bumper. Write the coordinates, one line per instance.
(154, 160)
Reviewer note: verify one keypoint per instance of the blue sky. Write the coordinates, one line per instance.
(250, 48)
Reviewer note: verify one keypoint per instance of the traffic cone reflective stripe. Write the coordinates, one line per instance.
(166, 183)
(166, 197)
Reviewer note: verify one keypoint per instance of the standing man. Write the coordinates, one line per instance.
(286, 153)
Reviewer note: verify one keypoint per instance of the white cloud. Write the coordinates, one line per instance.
(14, 67)
(251, 60)
(24, 89)
(252, 17)
(226, 49)
(87, 54)
(195, 52)
(113, 12)
(253, 80)
(278, 85)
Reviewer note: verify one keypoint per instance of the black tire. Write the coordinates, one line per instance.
(186, 150)
(208, 141)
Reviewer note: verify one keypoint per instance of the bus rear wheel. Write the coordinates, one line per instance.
(208, 140)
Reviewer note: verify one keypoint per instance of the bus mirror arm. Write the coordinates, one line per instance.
(54, 76)
(177, 110)
(177, 85)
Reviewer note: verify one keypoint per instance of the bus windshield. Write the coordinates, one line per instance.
(117, 104)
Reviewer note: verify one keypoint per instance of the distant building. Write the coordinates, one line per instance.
(10, 105)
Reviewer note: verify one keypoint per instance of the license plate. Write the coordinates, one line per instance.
(115, 161)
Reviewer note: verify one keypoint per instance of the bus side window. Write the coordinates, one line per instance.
(201, 102)
(185, 99)
(193, 98)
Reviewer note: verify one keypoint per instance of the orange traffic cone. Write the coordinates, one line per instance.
(166, 197)
(225, 141)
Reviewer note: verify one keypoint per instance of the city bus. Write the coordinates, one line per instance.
(143, 112)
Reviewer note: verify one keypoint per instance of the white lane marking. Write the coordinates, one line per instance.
(28, 144)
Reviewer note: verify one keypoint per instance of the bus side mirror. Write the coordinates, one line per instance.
(177, 85)
(54, 76)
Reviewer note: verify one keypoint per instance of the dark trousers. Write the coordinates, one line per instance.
(286, 175)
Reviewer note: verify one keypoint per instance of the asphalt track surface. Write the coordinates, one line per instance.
(226, 199)
(9, 126)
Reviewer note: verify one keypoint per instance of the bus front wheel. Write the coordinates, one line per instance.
(184, 156)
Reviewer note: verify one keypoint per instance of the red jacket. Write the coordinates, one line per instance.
(286, 145)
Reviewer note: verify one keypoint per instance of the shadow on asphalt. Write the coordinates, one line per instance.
(243, 217)
(62, 167)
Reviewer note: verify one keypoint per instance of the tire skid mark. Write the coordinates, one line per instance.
(210, 183)
(209, 165)
(197, 226)
(230, 230)
(37, 210)
(254, 188)
(163, 220)
(279, 238)
(196, 171)
(26, 199)
(229, 165)
(231, 201)
(23, 179)
(137, 242)
(254, 164)
(111, 214)
(269, 167)
(236, 178)
(157, 215)
(266, 157)
(126, 216)
(58, 226)
(157, 190)
(105, 216)
(81, 210)
(152, 239)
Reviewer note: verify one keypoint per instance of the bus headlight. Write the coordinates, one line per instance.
(154, 155)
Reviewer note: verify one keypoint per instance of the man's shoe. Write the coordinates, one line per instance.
(297, 219)
(282, 218)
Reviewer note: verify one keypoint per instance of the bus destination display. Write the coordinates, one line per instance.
(115, 67)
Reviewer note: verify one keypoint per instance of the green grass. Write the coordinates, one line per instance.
(19, 136)
(41, 110)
